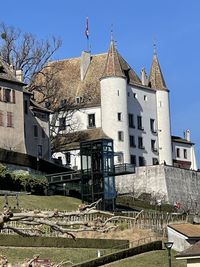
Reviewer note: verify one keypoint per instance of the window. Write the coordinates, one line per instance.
(140, 143)
(1, 118)
(131, 120)
(152, 125)
(118, 92)
(153, 146)
(43, 133)
(13, 96)
(35, 130)
(155, 161)
(133, 159)
(68, 157)
(139, 123)
(91, 120)
(178, 152)
(119, 116)
(145, 98)
(185, 153)
(39, 151)
(134, 95)
(62, 124)
(128, 94)
(1, 90)
(63, 103)
(9, 119)
(132, 141)
(141, 161)
(121, 136)
(7, 95)
(79, 99)
(25, 106)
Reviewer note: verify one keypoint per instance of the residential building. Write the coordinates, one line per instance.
(24, 125)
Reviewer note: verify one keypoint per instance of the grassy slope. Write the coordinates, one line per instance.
(150, 259)
(54, 255)
(42, 202)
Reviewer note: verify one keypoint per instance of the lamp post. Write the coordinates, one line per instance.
(168, 246)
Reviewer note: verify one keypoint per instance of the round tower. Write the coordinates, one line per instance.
(114, 110)
(163, 112)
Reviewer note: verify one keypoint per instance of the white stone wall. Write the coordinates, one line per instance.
(142, 102)
(114, 101)
(169, 183)
(164, 127)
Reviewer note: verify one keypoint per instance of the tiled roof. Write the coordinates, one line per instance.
(191, 251)
(70, 78)
(113, 66)
(187, 229)
(71, 141)
(181, 140)
(7, 74)
(156, 78)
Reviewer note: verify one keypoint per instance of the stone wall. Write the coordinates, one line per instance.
(167, 183)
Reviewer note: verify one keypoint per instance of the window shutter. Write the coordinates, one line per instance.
(13, 96)
(9, 119)
(1, 118)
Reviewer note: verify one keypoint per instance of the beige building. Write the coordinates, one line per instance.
(24, 126)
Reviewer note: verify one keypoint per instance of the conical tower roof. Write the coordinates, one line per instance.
(113, 67)
(156, 79)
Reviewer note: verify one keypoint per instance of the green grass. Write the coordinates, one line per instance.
(53, 254)
(150, 259)
(42, 202)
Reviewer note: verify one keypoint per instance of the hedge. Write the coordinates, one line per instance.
(157, 245)
(60, 242)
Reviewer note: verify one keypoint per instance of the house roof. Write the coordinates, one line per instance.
(191, 251)
(101, 65)
(187, 229)
(181, 140)
(71, 141)
(36, 106)
(7, 74)
(156, 78)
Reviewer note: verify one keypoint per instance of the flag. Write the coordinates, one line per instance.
(86, 29)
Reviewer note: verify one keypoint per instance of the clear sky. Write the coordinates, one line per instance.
(174, 24)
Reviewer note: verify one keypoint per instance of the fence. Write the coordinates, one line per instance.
(157, 221)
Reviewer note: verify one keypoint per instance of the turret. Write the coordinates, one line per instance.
(114, 103)
(157, 82)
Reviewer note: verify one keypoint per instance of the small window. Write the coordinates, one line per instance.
(128, 93)
(178, 152)
(141, 161)
(145, 98)
(160, 104)
(68, 157)
(121, 136)
(140, 142)
(132, 141)
(91, 120)
(153, 146)
(1, 118)
(25, 106)
(7, 95)
(133, 159)
(43, 133)
(62, 124)
(35, 131)
(152, 125)
(131, 120)
(119, 116)
(39, 151)
(13, 96)
(63, 103)
(185, 153)
(118, 92)
(79, 99)
(139, 123)
(155, 161)
(9, 119)
(134, 95)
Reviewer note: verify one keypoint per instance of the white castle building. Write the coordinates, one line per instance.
(113, 102)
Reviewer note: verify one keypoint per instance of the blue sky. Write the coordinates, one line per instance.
(174, 24)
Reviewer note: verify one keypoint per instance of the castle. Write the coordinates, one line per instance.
(113, 101)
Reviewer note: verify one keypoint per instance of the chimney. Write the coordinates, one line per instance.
(19, 75)
(144, 77)
(187, 135)
(85, 62)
